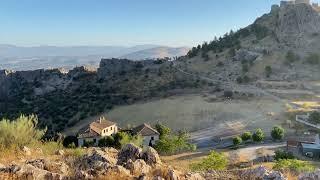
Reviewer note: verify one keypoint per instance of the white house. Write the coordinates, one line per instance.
(97, 130)
(149, 134)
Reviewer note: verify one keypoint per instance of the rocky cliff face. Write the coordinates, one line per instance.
(296, 23)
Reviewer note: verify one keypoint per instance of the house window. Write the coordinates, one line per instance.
(152, 138)
(111, 128)
(107, 130)
(94, 140)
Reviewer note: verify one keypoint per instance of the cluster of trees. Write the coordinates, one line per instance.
(257, 136)
(229, 41)
(218, 45)
(170, 143)
(286, 161)
(277, 133)
(315, 117)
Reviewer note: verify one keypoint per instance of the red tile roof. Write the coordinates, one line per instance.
(145, 130)
(95, 128)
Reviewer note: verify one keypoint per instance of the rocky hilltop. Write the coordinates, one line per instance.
(131, 162)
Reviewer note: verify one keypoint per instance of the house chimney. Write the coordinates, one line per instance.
(100, 120)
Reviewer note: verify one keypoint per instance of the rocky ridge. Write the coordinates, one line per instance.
(131, 162)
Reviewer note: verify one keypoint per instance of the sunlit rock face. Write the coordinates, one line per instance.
(296, 23)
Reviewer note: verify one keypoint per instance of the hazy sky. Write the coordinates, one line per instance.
(123, 22)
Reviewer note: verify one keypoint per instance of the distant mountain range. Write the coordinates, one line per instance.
(29, 58)
(157, 52)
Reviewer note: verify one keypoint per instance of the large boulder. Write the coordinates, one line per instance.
(173, 175)
(151, 156)
(129, 151)
(118, 170)
(138, 167)
(13, 168)
(194, 176)
(38, 163)
(112, 152)
(28, 171)
(245, 55)
(97, 160)
(263, 173)
(310, 176)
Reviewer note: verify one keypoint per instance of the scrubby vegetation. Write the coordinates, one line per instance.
(315, 117)
(119, 140)
(294, 165)
(291, 57)
(214, 161)
(170, 143)
(280, 154)
(19, 132)
(21, 137)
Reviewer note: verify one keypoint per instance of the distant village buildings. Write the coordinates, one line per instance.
(102, 128)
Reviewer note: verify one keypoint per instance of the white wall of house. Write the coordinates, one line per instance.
(146, 140)
(81, 141)
(109, 131)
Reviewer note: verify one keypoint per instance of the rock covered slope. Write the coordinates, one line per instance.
(131, 162)
(243, 55)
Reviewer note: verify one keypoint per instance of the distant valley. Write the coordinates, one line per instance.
(47, 57)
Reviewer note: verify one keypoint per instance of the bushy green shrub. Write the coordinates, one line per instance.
(315, 117)
(294, 165)
(122, 138)
(246, 136)
(280, 154)
(277, 133)
(291, 57)
(106, 142)
(214, 161)
(258, 136)
(67, 141)
(20, 132)
(268, 71)
(171, 143)
(237, 141)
